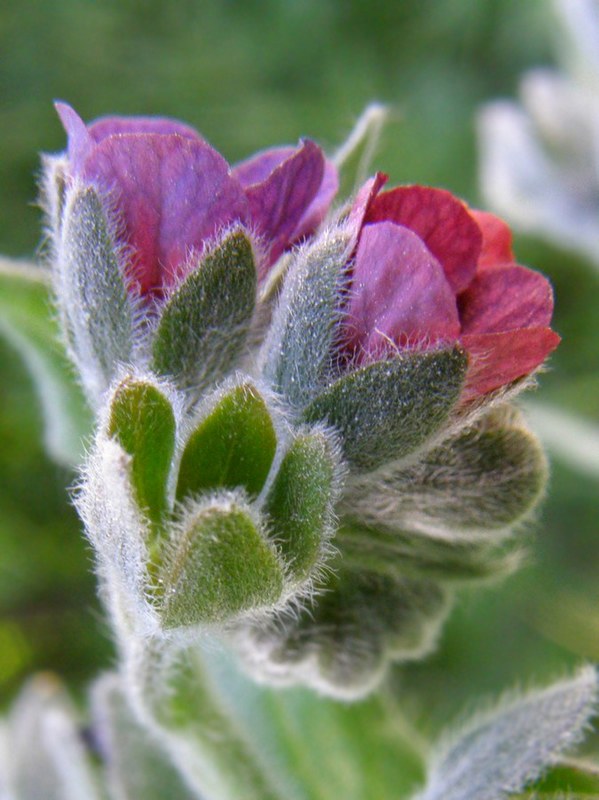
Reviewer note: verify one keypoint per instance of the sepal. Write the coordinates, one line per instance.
(218, 565)
(142, 420)
(204, 323)
(472, 487)
(233, 444)
(296, 354)
(300, 503)
(389, 409)
(354, 157)
(96, 309)
(435, 557)
(342, 642)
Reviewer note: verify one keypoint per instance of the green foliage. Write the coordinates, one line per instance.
(218, 566)
(470, 488)
(416, 554)
(500, 753)
(342, 641)
(204, 323)
(142, 420)
(232, 446)
(27, 323)
(136, 766)
(386, 410)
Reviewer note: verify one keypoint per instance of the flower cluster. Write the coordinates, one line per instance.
(173, 192)
(305, 464)
(428, 271)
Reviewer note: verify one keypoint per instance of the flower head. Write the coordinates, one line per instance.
(429, 271)
(173, 192)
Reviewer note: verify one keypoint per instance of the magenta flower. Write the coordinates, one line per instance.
(173, 191)
(429, 272)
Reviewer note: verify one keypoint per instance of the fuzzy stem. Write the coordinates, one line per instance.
(172, 693)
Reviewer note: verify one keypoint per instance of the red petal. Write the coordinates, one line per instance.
(442, 222)
(497, 240)
(505, 298)
(497, 359)
(399, 293)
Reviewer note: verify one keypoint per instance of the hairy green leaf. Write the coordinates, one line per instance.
(204, 323)
(388, 409)
(218, 566)
(90, 288)
(483, 480)
(142, 420)
(300, 502)
(297, 351)
(499, 753)
(233, 445)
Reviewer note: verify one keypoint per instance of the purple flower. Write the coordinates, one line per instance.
(172, 192)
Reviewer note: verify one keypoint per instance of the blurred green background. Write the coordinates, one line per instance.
(249, 74)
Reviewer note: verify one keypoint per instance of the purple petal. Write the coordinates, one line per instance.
(278, 204)
(80, 143)
(319, 207)
(363, 200)
(173, 193)
(399, 293)
(497, 359)
(258, 167)
(103, 127)
(504, 298)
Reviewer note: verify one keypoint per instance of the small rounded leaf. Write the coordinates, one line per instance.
(205, 321)
(477, 483)
(342, 643)
(142, 421)
(218, 566)
(234, 445)
(300, 502)
(388, 409)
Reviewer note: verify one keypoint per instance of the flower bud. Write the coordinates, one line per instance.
(206, 521)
